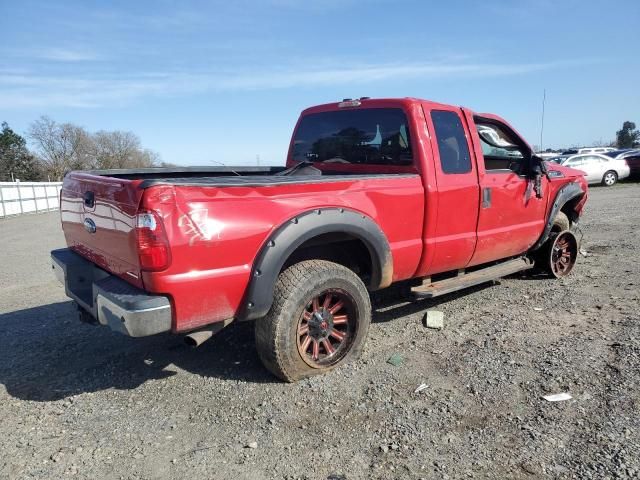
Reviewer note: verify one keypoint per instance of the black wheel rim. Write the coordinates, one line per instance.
(326, 328)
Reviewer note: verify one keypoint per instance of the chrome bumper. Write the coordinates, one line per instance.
(110, 300)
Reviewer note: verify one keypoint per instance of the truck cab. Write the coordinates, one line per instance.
(486, 195)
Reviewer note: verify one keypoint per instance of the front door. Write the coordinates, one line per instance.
(457, 191)
(511, 217)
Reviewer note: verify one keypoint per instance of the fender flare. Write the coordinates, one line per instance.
(564, 195)
(285, 239)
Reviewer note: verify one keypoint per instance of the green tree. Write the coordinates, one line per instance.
(15, 160)
(628, 136)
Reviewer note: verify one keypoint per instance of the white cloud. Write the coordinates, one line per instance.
(67, 55)
(24, 90)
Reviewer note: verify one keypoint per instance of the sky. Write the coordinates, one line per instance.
(213, 82)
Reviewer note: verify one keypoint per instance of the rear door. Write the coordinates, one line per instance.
(511, 216)
(99, 219)
(457, 190)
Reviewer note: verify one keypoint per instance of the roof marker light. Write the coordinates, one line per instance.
(349, 103)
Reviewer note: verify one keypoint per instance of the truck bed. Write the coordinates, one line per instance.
(217, 222)
(232, 176)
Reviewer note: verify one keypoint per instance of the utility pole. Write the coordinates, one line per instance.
(544, 97)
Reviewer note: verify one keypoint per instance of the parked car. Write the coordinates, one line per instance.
(623, 153)
(633, 160)
(547, 155)
(595, 150)
(599, 168)
(374, 192)
(579, 151)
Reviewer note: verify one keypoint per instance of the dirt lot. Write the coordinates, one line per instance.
(78, 401)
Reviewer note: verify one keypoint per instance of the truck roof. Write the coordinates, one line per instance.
(374, 102)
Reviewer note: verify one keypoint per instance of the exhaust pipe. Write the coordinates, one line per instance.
(197, 338)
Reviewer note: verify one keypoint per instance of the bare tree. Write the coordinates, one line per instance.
(61, 146)
(121, 150)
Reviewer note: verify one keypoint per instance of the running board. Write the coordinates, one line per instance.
(465, 280)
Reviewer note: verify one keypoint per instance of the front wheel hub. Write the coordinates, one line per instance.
(320, 324)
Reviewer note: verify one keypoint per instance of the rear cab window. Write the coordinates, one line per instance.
(452, 142)
(362, 136)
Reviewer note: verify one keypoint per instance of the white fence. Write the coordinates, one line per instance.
(17, 198)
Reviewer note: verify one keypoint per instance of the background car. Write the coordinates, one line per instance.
(633, 160)
(623, 153)
(595, 150)
(599, 168)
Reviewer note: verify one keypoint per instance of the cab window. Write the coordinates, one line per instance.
(452, 142)
(500, 149)
(369, 136)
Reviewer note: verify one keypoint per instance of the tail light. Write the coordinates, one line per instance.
(153, 244)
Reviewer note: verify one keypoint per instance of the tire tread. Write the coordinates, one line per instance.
(271, 331)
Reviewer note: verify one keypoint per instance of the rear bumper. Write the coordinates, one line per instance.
(110, 300)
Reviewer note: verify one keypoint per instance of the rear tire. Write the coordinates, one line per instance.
(318, 321)
(610, 178)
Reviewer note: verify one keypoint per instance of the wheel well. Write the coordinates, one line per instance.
(569, 209)
(337, 247)
(333, 234)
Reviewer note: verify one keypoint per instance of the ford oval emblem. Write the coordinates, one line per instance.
(89, 225)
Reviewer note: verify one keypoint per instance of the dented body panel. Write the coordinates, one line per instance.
(229, 232)
(217, 233)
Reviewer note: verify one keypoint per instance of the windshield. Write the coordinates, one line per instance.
(378, 136)
(557, 159)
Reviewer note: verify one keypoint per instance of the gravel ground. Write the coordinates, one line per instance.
(78, 401)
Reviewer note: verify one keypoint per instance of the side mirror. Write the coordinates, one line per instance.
(536, 165)
(538, 169)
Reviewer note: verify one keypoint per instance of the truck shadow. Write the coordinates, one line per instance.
(400, 304)
(46, 354)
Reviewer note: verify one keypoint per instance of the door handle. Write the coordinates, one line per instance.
(89, 199)
(486, 197)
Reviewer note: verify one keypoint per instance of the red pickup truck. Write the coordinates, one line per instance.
(374, 191)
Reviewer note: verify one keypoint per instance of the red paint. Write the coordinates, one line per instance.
(433, 221)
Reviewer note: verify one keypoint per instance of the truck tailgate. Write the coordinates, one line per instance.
(99, 218)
